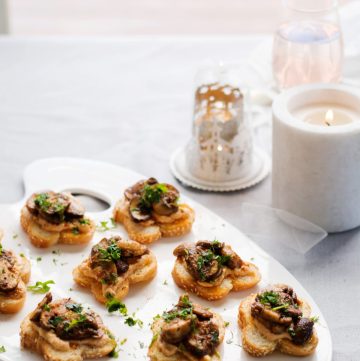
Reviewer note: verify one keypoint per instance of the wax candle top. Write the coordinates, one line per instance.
(330, 117)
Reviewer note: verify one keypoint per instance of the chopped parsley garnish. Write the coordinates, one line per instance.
(75, 230)
(151, 194)
(84, 221)
(1, 249)
(207, 257)
(131, 321)
(54, 321)
(111, 254)
(38, 259)
(41, 200)
(181, 312)
(46, 308)
(75, 307)
(314, 319)
(114, 305)
(109, 279)
(281, 307)
(106, 225)
(227, 323)
(2, 349)
(75, 322)
(270, 298)
(41, 287)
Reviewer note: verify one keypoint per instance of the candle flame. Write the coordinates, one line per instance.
(329, 117)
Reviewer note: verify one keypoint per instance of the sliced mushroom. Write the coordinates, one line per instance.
(136, 212)
(9, 272)
(181, 250)
(137, 188)
(234, 260)
(176, 330)
(259, 310)
(121, 266)
(203, 340)
(201, 312)
(35, 315)
(302, 331)
(75, 209)
(167, 204)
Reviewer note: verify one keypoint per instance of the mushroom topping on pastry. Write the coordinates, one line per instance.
(55, 207)
(111, 257)
(187, 334)
(115, 263)
(147, 197)
(14, 273)
(49, 218)
(212, 270)
(150, 210)
(65, 330)
(278, 309)
(205, 260)
(68, 319)
(10, 271)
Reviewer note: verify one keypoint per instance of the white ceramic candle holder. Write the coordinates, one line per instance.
(316, 168)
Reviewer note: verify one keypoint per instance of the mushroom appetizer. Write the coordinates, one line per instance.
(277, 319)
(188, 332)
(64, 330)
(14, 274)
(49, 218)
(113, 265)
(150, 210)
(212, 269)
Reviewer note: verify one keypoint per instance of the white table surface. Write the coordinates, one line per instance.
(129, 102)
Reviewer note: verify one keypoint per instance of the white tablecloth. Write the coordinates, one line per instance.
(129, 102)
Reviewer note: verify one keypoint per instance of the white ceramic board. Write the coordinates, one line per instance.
(147, 300)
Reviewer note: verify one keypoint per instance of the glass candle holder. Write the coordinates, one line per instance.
(308, 45)
(221, 146)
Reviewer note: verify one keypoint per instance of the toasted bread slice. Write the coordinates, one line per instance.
(249, 277)
(174, 353)
(53, 348)
(150, 233)
(143, 270)
(258, 341)
(43, 234)
(13, 302)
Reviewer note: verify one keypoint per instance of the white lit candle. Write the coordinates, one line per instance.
(326, 115)
(316, 155)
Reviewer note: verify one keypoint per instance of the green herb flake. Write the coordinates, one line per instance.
(41, 287)
(75, 231)
(38, 259)
(2, 349)
(84, 221)
(75, 307)
(75, 322)
(114, 305)
(106, 225)
(269, 298)
(314, 319)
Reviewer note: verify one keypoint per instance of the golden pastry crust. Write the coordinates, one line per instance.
(53, 348)
(159, 350)
(231, 280)
(161, 216)
(149, 233)
(258, 341)
(142, 270)
(44, 234)
(13, 301)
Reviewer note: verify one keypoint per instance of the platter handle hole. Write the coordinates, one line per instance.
(92, 201)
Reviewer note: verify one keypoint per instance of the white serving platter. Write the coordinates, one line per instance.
(108, 182)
